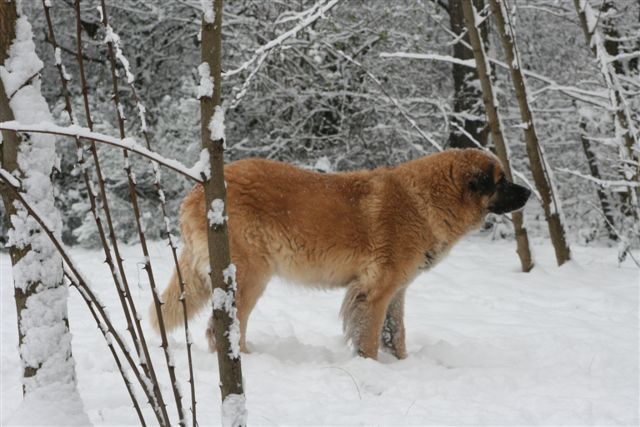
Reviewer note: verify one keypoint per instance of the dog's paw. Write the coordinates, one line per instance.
(400, 354)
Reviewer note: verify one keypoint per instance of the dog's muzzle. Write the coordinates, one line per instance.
(509, 197)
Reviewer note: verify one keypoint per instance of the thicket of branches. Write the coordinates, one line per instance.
(371, 85)
(41, 265)
(324, 97)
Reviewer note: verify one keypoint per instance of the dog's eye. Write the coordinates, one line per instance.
(482, 184)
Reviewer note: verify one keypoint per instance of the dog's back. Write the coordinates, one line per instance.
(297, 221)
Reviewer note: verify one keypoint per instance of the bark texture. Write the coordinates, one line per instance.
(40, 290)
(491, 109)
(595, 172)
(542, 175)
(466, 97)
(214, 186)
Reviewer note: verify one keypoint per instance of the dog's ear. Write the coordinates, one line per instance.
(483, 183)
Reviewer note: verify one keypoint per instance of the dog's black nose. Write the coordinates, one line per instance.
(509, 198)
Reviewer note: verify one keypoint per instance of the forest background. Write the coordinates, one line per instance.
(333, 99)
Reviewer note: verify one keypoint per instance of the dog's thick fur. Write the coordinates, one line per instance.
(369, 232)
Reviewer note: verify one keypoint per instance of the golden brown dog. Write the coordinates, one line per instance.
(370, 232)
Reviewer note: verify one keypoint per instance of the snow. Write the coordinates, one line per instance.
(229, 275)
(220, 299)
(471, 63)
(323, 164)
(602, 182)
(223, 300)
(216, 125)
(203, 164)
(487, 345)
(234, 411)
(142, 110)
(22, 63)
(57, 53)
(113, 38)
(205, 88)
(208, 13)
(216, 213)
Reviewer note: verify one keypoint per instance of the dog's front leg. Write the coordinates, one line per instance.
(393, 337)
(364, 310)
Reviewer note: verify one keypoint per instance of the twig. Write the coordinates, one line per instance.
(313, 14)
(70, 51)
(604, 183)
(240, 93)
(111, 40)
(355, 383)
(106, 334)
(64, 79)
(615, 230)
(157, 302)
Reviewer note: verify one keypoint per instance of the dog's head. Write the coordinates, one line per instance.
(469, 184)
(490, 188)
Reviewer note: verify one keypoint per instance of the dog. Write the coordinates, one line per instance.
(370, 232)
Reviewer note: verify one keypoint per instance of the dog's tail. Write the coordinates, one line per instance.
(197, 295)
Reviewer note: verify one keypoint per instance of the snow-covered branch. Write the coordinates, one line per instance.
(129, 144)
(604, 183)
(591, 97)
(430, 56)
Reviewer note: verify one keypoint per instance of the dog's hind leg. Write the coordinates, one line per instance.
(393, 336)
(251, 278)
(363, 310)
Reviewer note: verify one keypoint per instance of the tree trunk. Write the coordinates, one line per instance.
(222, 273)
(595, 172)
(466, 97)
(612, 37)
(542, 174)
(40, 291)
(490, 106)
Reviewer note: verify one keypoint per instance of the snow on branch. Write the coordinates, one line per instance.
(571, 91)
(127, 143)
(113, 38)
(312, 15)
(471, 63)
(591, 97)
(208, 13)
(604, 183)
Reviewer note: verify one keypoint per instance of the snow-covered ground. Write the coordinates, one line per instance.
(487, 345)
